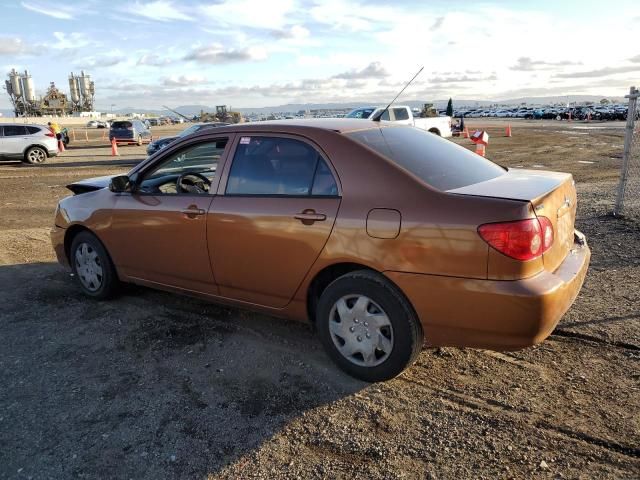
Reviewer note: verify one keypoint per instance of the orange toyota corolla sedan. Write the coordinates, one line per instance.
(382, 236)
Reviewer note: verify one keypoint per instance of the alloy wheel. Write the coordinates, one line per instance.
(36, 155)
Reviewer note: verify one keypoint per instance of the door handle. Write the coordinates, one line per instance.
(309, 216)
(193, 212)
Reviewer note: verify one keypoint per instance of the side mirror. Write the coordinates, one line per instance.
(120, 184)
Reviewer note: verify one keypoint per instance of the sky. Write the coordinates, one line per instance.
(255, 53)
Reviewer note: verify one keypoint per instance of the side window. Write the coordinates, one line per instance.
(201, 159)
(14, 130)
(33, 130)
(324, 184)
(401, 113)
(385, 115)
(277, 166)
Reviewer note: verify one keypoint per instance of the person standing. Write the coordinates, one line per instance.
(55, 128)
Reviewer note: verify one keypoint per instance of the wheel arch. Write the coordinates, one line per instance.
(73, 231)
(435, 131)
(328, 274)
(27, 148)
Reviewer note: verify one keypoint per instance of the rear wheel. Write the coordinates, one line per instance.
(35, 155)
(435, 131)
(367, 326)
(92, 266)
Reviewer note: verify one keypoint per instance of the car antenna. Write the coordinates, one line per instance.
(379, 115)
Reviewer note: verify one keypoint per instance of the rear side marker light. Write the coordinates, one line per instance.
(522, 239)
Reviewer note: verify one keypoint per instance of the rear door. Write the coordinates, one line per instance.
(276, 208)
(14, 140)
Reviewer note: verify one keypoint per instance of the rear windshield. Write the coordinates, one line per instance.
(121, 125)
(440, 163)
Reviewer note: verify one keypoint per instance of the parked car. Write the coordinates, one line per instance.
(403, 115)
(434, 242)
(161, 143)
(129, 132)
(97, 124)
(28, 143)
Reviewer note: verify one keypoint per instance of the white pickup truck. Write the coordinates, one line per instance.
(403, 115)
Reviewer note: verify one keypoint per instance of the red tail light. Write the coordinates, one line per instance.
(50, 134)
(522, 239)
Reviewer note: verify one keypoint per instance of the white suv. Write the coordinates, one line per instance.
(29, 143)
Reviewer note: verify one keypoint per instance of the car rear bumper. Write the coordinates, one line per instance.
(57, 241)
(498, 315)
(129, 140)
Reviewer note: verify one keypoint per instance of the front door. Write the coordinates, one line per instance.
(159, 230)
(273, 220)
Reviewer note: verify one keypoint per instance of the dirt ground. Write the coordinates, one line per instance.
(153, 385)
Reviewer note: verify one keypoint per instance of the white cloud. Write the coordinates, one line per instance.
(184, 80)
(260, 14)
(10, 46)
(69, 41)
(154, 60)
(215, 54)
(158, 10)
(101, 61)
(55, 10)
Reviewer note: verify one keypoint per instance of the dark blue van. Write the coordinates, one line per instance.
(130, 131)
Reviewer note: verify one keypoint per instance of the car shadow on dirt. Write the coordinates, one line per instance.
(147, 384)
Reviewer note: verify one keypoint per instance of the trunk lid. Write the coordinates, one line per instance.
(551, 194)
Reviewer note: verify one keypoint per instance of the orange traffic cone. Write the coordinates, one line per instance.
(465, 133)
(507, 132)
(114, 148)
(60, 146)
(480, 149)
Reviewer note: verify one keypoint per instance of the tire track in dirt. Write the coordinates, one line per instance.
(475, 403)
(568, 334)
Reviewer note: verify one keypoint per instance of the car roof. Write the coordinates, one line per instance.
(341, 125)
(22, 125)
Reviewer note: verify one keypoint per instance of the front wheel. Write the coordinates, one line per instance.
(35, 155)
(368, 327)
(92, 266)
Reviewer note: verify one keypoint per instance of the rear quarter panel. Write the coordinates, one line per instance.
(438, 232)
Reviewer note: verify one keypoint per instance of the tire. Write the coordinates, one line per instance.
(92, 267)
(361, 296)
(35, 155)
(139, 142)
(435, 131)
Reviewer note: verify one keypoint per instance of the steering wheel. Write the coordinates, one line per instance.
(185, 185)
